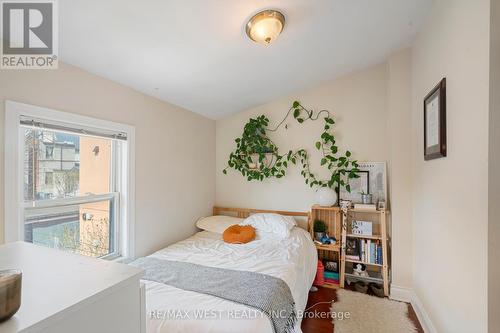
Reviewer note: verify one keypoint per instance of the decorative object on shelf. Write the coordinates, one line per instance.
(381, 205)
(270, 163)
(319, 280)
(325, 197)
(345, 205)
(366, 198)
(435, 122)
(360, 270)
(327, 240)
(364, 228)
(10, 293)
(265, 26)
(359, 186)
(332, 266)
(319, 228)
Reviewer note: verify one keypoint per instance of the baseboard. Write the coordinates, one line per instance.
(402, 294)
(422, 315)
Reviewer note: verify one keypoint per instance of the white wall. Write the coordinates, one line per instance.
(359, 106)
(450, 195)
(399, 128)
(175, 148)
(493, 174)
(372, 111)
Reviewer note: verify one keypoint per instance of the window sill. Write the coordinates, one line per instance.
(119, 259)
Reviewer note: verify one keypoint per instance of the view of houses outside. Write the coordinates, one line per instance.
(59, 166)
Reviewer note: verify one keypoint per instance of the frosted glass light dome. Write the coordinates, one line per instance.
(266, 26)
(325, 197)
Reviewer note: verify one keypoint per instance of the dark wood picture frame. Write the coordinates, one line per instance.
(438, 149)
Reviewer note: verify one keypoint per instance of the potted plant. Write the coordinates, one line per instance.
(319, 228)
(257, 157)
(366, 198)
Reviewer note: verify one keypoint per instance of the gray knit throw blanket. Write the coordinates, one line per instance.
(266, 293)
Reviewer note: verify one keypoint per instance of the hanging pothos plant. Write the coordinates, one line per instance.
(257, 157)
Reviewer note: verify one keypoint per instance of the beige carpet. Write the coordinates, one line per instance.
(369, 314)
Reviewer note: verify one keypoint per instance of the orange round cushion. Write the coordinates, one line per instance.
(239, 234)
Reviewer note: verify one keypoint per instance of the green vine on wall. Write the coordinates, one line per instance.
(256, 156)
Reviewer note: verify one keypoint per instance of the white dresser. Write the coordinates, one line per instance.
(63, 292)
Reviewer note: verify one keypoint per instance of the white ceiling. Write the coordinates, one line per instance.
(194, 53)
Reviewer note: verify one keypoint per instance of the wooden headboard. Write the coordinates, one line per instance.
(303, 218)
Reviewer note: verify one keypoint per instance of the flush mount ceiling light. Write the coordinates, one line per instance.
(264, 27)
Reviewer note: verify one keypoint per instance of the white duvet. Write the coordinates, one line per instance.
(175, 310)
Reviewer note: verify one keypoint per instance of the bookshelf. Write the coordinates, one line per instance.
(332, 216)
(377, 269)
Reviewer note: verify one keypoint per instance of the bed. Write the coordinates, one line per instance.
(293, 260)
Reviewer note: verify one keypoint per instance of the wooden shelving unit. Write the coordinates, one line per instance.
(333, 218)
(378, 272)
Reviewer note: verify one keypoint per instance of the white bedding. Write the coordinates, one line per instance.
(174, 310)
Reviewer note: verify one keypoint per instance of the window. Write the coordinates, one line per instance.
(75, 185)
(49, 178)
(49, 151)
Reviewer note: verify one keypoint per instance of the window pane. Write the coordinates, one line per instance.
(87, 229)
(61, 165)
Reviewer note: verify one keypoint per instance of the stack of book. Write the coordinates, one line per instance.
(331, 277)
(365, 250)
(365, 206)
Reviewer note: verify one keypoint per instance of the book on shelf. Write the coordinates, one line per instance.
(331, 275)
(352, 247)
(373, 252)
(352, 257)
(379, 255)
(365, 206)
(333, 281)
(366, 250)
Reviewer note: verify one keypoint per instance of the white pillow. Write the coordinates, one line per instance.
(217, 223)
(271, 223)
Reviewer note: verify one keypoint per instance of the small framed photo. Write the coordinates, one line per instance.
(435, 122)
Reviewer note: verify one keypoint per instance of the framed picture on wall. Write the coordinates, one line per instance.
(377, 179)
(435, 122)
(358, 186)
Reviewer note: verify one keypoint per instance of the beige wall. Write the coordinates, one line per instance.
(399, 143)
(175, 148)
(370, 113)
(494, 174)
(450, 195)
(359, 105)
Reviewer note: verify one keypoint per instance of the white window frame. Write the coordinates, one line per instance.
(14, 141)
